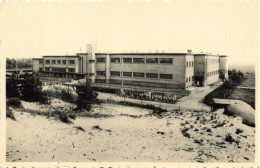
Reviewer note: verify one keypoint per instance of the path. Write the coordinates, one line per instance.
(194, 102)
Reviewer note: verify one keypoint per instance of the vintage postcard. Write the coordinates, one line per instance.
(129, 83)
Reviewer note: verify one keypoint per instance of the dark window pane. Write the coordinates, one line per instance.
(151, 75)
(127, 60)
(114, 73)
(165, 76)
(115, 60)
(101, 59)
(166, 60)
(138, 60)
(128, 74)
(139, 74)
(151, 60)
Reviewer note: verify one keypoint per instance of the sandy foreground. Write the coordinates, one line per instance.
(128, 134)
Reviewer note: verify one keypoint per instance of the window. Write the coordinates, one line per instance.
(187, 79)
(40, 69)
(165, 76)
(127, 60)
(138, 60)
(47, 68)
(71, 62)
(91, 61)
(115, 60)
(53, 61)
(187, 64)
(101, 73)
(128, 74)
(47, 61)
(40, 61)
(152, 60)
(192, 63)
(101, 59)
(64, 62)
(166, 60)
(139, 74)
(71, 70)
(114, 73)
(58, 61)
(151, 75)
(59, 69)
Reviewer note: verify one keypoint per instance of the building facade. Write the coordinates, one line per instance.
(166, 70)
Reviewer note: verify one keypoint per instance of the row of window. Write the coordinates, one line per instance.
(213, 61)
(189, 64)
(213, 73)
(138, 60)
(59, 69)
(72, 62)
(136, 74)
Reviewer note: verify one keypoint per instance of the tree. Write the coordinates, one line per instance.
(86, 96)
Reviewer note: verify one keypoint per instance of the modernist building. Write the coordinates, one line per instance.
(167, 70)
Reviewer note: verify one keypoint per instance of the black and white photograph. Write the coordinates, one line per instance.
(130, 81)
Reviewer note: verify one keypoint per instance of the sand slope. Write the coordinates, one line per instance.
(129, 134)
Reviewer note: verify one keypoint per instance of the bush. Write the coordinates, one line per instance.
(31, 89)
(14, 102)
(12, 89)
(9, 113)
(64, 94)
(63, 117)
(229, 138)
(185, 132)
(86, 97)
(238, 131)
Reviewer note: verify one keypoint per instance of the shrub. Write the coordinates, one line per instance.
(31, 89)
(14, 102)
(238, 131)
(96, 127)
(86, 96)
(229, 138)
(12, 89)
(185, 132)
(9, 113)
(80, 128)
(64, 117)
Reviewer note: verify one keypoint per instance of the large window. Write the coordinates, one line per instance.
(40, 61)
(58, 61)
(71, 70)
(101, 59)
(53, 61)
(165, 76)
(64, 62)
(71, 62)
(151, 75)
(114, 73)
(115, 60)
(127, 60)
(59, 69)
(47, 68)
(127, 74)
(166, 60)
(47, 61)
(101, 73)
(138, 60)
(151, 60)
(139, 74)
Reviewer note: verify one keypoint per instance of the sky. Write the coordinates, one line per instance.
(34, 29)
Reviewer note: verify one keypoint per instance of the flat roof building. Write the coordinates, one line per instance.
(166, 70)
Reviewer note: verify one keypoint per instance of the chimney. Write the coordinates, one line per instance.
(189, 51)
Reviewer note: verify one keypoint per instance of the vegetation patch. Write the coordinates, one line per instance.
(14, 102)
(9, 114)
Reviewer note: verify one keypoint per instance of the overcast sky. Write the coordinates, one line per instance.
(42, 28)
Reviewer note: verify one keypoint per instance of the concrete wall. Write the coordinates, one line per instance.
(36, 65)
(176, 68)
(189, 71)
(212, 69)
(67, 65)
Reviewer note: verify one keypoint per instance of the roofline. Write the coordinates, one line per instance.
(209, 55)
(143, 54)
(61, 56)
(37, 58)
